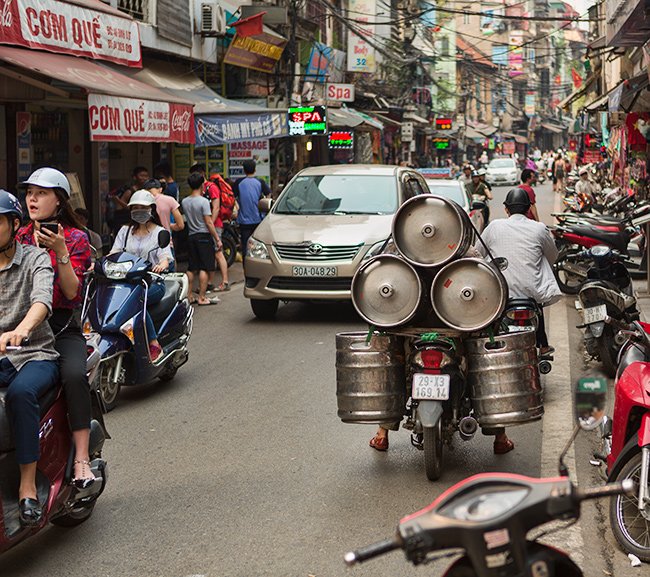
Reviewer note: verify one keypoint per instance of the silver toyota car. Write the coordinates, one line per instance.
(327, 221)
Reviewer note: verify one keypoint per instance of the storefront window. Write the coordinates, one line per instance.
(50, 139)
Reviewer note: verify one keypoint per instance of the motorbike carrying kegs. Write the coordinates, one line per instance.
(469, 294)
(370, 378)
(387, 292)
(504, 379)
(430, 231)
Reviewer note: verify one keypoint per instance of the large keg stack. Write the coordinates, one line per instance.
(431, 282)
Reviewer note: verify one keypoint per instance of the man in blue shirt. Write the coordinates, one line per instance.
(248, 191)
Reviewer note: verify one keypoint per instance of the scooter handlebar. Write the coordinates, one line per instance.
(625, 487)
(370, 551)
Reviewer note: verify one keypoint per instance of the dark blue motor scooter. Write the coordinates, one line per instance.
(115, 305)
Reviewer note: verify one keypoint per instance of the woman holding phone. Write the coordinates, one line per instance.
(54, 227)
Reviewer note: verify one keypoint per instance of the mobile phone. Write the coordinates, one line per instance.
(51, 226)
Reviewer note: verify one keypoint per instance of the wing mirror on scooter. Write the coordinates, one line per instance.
(590, 399)
(164, 238)
(501, 262)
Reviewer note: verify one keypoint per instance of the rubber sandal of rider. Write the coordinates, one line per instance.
(503, 447)
(546, 351)
(379, 443)
(84, 482)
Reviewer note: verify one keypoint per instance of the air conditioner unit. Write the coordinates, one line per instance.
(213, 20)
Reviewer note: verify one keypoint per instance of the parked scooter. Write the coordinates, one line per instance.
(627, 441)
(116, 303)
(64, 504)
(488, 516)
(606, 293)
(231, 240)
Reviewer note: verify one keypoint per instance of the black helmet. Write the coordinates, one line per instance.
(517, 197)
(9, 204)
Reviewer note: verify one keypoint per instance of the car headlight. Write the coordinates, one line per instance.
(117, 270)
(376, 249)
(257, 249)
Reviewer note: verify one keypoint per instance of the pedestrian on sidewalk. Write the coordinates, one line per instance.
(528, 179)
(248, 191)
(201, 239)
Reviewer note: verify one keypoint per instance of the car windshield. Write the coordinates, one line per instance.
(502, 163)
(453, 192)
(339, 194)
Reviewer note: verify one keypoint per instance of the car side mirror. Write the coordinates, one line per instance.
(265, 204)
(164, 238)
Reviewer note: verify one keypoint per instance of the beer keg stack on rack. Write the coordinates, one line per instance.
(431, 282)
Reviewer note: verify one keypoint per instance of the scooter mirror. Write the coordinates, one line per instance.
(590, 401)
(164, 238)
(501, 262)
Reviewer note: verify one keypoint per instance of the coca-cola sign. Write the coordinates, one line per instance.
(113, 118)
(60, 27)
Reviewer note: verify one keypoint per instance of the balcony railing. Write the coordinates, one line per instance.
(138, 9)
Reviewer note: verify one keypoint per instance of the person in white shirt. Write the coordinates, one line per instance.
(531, 252)
(584, 185)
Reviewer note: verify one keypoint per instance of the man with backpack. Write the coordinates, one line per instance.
(219, 193)
(248, 191)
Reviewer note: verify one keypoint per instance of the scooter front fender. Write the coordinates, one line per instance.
(429, 413)
(111, 345)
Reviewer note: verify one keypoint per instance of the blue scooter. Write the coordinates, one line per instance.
(115, 306)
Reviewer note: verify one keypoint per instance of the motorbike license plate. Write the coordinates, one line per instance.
(520, 329)
(594, 314)
(314, 271)
(430, 387)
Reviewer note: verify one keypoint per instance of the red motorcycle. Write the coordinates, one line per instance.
(63, 503)
(629, 437)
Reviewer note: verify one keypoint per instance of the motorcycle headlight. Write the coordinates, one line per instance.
(117, 270)
(257, 249)
(376, 249)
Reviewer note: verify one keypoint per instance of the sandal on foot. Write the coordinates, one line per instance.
(30, 512)
(379, 443)
(503, 447)
(84, 482)
(223, 287)
(546, 351)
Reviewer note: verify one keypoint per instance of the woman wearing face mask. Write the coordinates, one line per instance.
(48, 203)
(140, 238)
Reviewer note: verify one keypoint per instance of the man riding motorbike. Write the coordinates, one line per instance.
(28, 366)
(531, 251)
(480, 191)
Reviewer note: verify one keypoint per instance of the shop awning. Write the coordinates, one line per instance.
(552, 127)
(579, 92)
(600, 102)
(119, 107)
(351, 118)
(516, 137)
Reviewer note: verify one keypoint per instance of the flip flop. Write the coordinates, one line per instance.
(379, 443)
(213, 301)
(503, 447)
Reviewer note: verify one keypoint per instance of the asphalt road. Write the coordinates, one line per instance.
(240, 467)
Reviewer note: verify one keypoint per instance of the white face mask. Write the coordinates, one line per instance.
(141, 215)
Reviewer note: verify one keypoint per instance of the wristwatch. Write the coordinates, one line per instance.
(64, 259)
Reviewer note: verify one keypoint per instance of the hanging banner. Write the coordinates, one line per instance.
(215, 129)
(260, 52)
(530, 103)
(516, 53)
(70, 29)
(113, 118)
(325, 64)
(361, 56)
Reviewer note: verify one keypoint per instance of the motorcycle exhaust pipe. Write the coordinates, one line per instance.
(467, 428)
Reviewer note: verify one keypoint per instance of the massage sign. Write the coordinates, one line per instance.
(70, 29)
(306, 120)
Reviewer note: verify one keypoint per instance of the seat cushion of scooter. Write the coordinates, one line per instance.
(160, 311)
(7, 442)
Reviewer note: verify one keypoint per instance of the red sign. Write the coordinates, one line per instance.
(260, 52)
(443, 123)
(341, 139)
(134, 120)
(592, 156)
(70, 29)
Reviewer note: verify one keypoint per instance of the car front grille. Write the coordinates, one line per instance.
(314, 252)
(310, 283)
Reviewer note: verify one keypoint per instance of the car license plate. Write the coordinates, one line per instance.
(520, 328)
(430, 387)
(594, 314)
(315, 271)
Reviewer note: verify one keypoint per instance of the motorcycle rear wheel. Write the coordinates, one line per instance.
(631, 529)
(229, 250)
(607, 353)
(568, 282)
(432, 441)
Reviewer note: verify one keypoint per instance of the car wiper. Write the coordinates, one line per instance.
(356, 212)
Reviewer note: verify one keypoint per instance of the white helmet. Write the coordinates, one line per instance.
(48, 178)
(142, 197)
